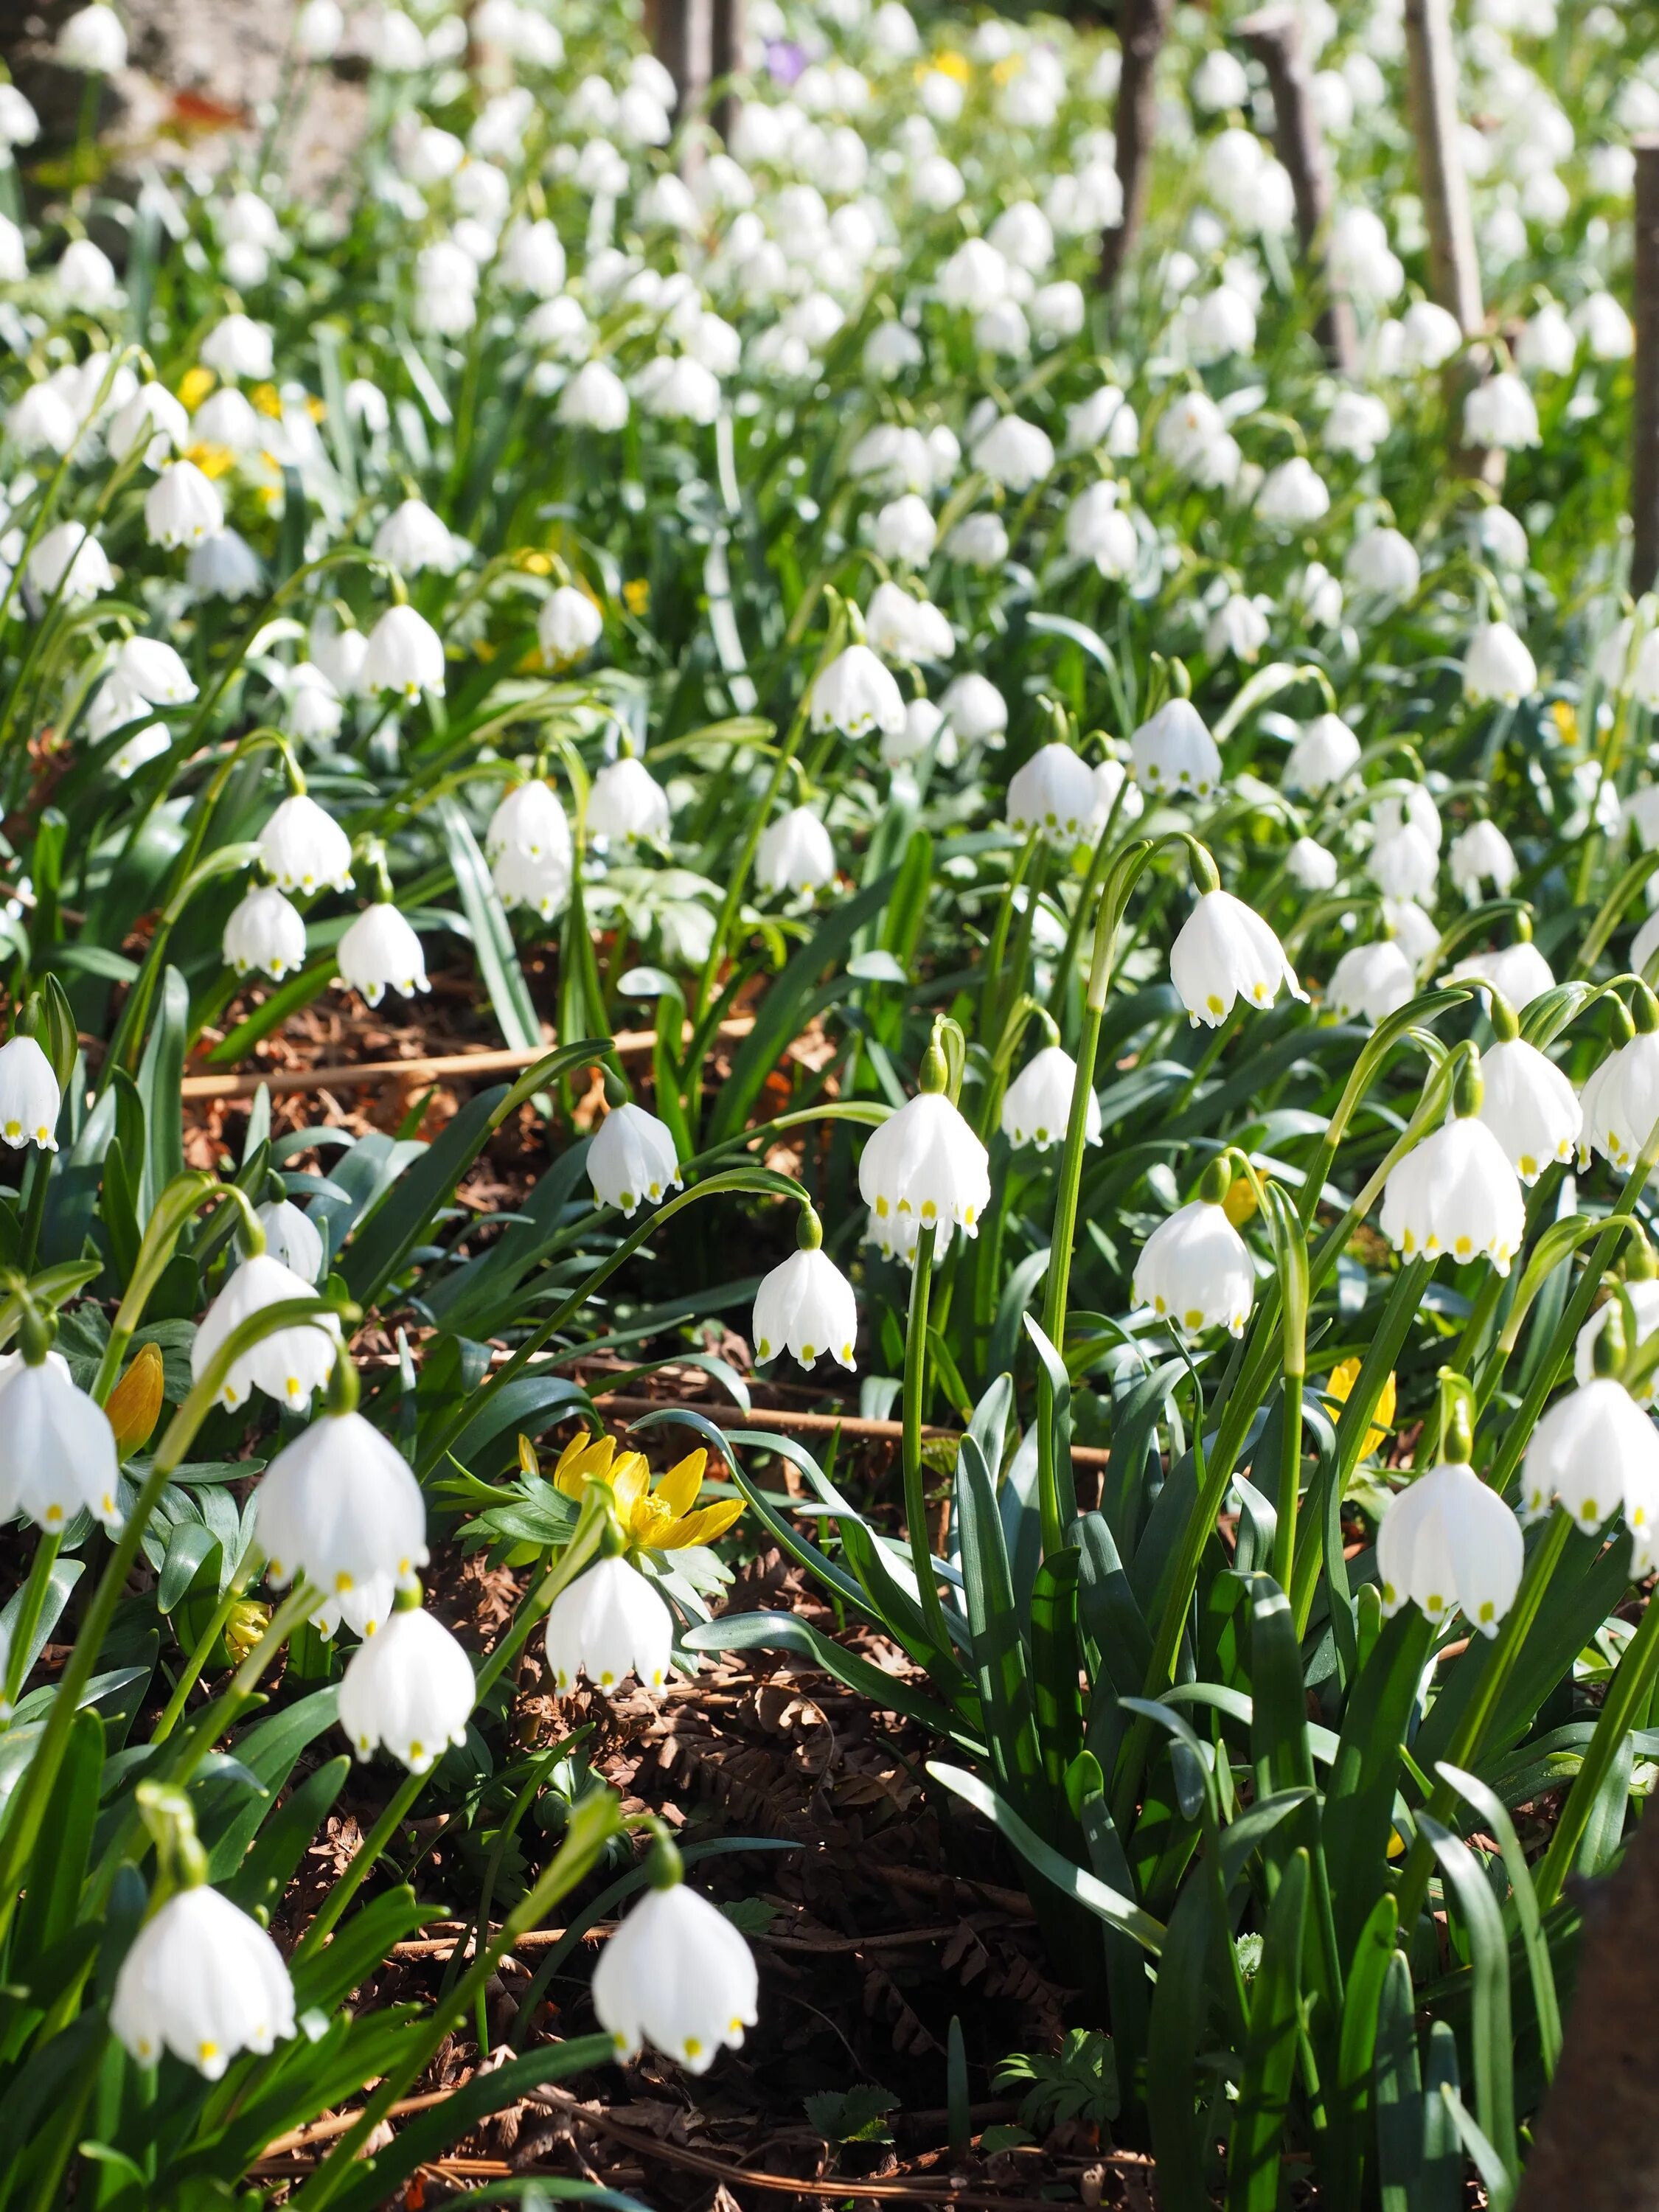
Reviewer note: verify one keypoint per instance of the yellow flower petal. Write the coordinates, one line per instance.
(629, 1480)
(701, 1527)
(678, 1488)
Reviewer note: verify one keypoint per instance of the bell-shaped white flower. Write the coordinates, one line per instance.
(1404, 863)
(1386, 562)
(1195, 1269)
(1499, 411)
(1596, 1451)
(408, 1689)
(1174, 751)
(1292, 496)
(1498, 666)
(905, 531)
(1482, 853)
(1099, 529)
(1456, 1192)
(1014, 454)
(341, 1507)
(290, 1363)
(1036, 1107)
(1620, 1102)
(805, 1306)
(381, 952)
(237, 346)
(794, 852)
(528, 841)
(1450, 1543)
(902, 627)
(1643, 1295)
(226, 567)
(1225, 952)
(405, 655)
(293, 1237)
(265, 935)
(678, 1975)
(975, 710)
(627, 803)
(57, 1455)
(1117, 800)
(924, 1166)
(1529, 1106)
(1053, 793)
(94, 40)
(304, 848)
(182, 506)
(568, 625)
(202, 1980)
(315, 709)
(596, 398)
(1519, 971)
(632, 1159)
(413, 538)
(1312, 867)
(857, 694)
(68, 561)
(30, 1101)
(1325, 752)
(609, 1624)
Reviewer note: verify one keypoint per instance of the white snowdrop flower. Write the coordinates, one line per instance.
(1547, 346)
(937, 184)
(922, 723)
(794, 852)
(975, 710)
(1482, 853)
(409, 1690)
(1498, 667)
(1116, 798)
(607, 1625)
(1620, 1102)
(561, 327)
(974, 277)
(924, 1165)
(1529, 1106)
(905, 531)
(893, 457)
(42, 421)
(142, 746)
(1292, 496)
(182, 506)
(627, 803)
(1325, 753)
(1098, 529)
(1415, 932)
(225, 567)
(30, 1101)
(14, 259)
(677, 389)
(150, 667)
(569, 625)
(404, 654)
(1594, 1452)
(1053, 793)
(293, 1237)
(304, 848)
(367, 405)
(1310, 865)
(1641, 813)
(1238, 627)
(93, 40)
(1357, 425)
(202, 1980)
(1500, 412)
(1430, 336)
(1195, 1270)
(1232, 161)
(397, 46)
(1225, 952)
(446, 289)
(381, 952)
(1520, 972)
(890, 350)
(1446, 1543)
(289, 1364)
(1021, 235)
(1036, 1108)
(1218, 324)
(85, 277)
(19, 124)
(1645, 943)
(1373, 980)
(539, 881)
(1607, 331)
(529, 820)
(239, 347)
(57, 1455)
(596, 399)
(265, 935)
(1219, 83)
(1362, 261)
(340, 1507)
(68, 559)
(1385, 562)
(642, 119)
(413, 538)
(1014, 454)
(632, 1160)
(679, 1975)
(1643, 1296)
(1318, 595)
(1456, 1191)
(532, 258)
(1104, 419)
(1174, 751)
(805, 1306)
(980, 541)
(855, 695)
(226, 417)
(902, 627)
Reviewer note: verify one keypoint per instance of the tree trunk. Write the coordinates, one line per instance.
(680, 31)
(1644, 459)
(1596, 2147)
(725, 45)
(1143, 24)
(1274, 38)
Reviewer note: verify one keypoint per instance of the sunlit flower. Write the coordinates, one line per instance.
(202, 1980)
(305, 848)
(632, 1159)
(1448, 1543)
(679, 1975)
(1529, 1106)
(340, 1506)
(607, 1625)
(30, 1101)
(924, 1165)
(1456, 1191)
(265, 935)
(408, 1689)
(57, 1455)
(288, 1364)
(1174, 751)
(1053, 793)
(1225, 952)
(1036, 1107)
(1195, 1270)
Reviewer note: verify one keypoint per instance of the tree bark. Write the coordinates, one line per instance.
(1273, 36)
(680, 35)
(1596, 2146)
(1644, 459)
(1142, 25)
(726, 47)
(1431, 71)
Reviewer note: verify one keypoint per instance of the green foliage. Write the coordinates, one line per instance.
(1076, 2085)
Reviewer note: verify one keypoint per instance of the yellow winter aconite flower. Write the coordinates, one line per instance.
(1565, 717)
(659, 1519)
(269, 401)
(194, 386)
(637, 595)
(212, 460)
(951, 64)
(533, 561)
(1340, 1388)
(1240, 1203)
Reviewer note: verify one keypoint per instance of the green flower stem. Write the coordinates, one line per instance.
(37, 1181)
(1621, 1710)
(34, 1789)
(1068, 1185)
(915, 1495)
(1465, 1747)
(202, 1648)
(29, 1613)
(593, 1822)
(185, 1195)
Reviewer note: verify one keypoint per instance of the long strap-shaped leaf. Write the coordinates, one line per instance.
(1275, 2031)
